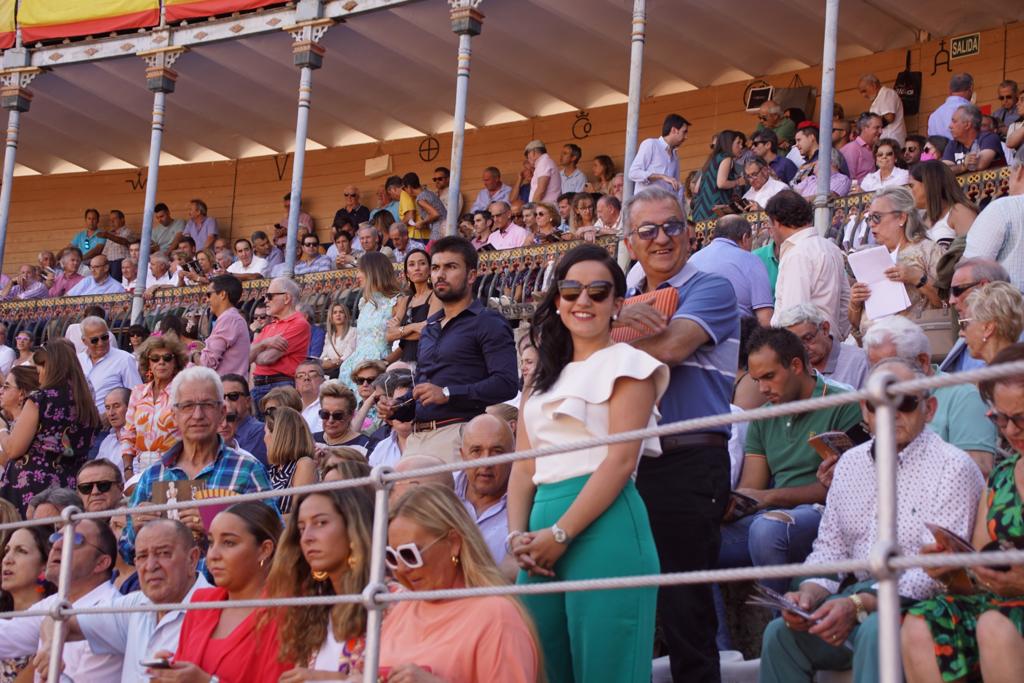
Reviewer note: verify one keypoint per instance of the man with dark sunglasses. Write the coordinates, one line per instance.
(105, 368)
(935, 482)
(353, 209)
(308, 378)
(101, 485)
(249, 431)
(686, 489)
(969, 274)
(282, 344)
(1006, 113)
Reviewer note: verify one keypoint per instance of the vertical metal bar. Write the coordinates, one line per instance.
(375, 616)
(458, 133)
(886, 545)
(63, 587)
(156, 137)
(298, 168)
(10, 155)
(636, 68)
(822, 215)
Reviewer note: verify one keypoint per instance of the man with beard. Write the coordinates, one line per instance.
(467, 358)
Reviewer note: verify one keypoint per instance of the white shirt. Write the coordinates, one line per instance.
(771, 188)
(887, 101)
(813, 269)
(997, 234)
(134, 635)
(935, 482)
(20, 637)
(386, 452)
(7, 358)
(110, 449)
(311, 415)
(116, 369)
(128, 286)
(74, 335)
(873, 181)
(168, 278)
(258, 266)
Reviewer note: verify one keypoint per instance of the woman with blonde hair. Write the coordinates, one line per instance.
(324, 550)
(340, 340)
(376, 306)
(994, 319)
(149, 427)
(291, 454)
(546, 227)
(434, 545)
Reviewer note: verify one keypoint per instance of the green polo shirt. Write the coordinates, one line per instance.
(771, 262)
(783, 440)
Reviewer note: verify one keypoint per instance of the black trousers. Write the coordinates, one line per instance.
(686, 491)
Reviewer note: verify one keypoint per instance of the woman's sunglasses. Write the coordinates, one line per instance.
(410, 554)
(337, 415)
(598, 290)
(165, 357)
(1000, 420)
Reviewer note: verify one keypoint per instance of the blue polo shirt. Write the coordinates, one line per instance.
(702, 384)
(744, 271)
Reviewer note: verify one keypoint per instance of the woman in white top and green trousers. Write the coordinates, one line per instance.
(578, 515)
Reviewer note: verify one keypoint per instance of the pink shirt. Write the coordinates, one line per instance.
(545, 167)
(462, 641)
(859, 159)
(63, 283)
(513, 237)
(227, 347)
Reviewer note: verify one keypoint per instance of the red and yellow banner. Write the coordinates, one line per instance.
(47, 19)
(7, 23)
(176, 10)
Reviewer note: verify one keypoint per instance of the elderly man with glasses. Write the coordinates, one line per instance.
(353, 209)
(844, 363)
(197, 397)
(100, 282)
(105, 368)
(281, 345)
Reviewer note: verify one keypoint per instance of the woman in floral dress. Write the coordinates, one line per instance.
(974, 631)
(380, 293)
(54, 432)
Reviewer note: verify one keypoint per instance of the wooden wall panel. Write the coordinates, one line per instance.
(245, 195)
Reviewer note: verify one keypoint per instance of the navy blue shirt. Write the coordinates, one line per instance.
(250, 437)
(473, 355)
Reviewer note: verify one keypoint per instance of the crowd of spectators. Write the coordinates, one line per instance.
(419, 372)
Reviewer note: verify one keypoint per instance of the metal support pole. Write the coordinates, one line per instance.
(16, 98)
(822, 214)
(375, 613)
(63, 587)
(298, 168)
(466, 22)
(156, 136)
(887, 544)
(10, 154)
(636, 69)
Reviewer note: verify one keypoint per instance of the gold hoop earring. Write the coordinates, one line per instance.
(319, 576)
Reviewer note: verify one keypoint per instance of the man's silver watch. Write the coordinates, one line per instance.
(559, 534)
(447, 394)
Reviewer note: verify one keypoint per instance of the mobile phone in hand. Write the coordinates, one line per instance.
(157, 663)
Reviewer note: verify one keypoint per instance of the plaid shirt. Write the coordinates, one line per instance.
(230, 470)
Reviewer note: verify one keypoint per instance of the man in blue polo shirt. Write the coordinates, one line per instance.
(686, 489)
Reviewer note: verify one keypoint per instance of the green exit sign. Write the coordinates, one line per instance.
(965, 46)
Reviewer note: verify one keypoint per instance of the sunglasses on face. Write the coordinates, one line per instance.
(598, 290)
(1000, 420)
(365, 380)
(909, 404)
(77, 540)
(158, 357)
(649, 231)
(351, 194)
(263, 316)
(337, 415)
(439, 179)
(234, 395)
(959, 290)
(311, 244)
(269, 296)
(410, 554)
(102, 338)
(102, 486)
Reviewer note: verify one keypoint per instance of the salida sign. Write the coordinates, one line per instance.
(965, 46)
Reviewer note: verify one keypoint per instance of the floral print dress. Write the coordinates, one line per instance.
(953, 619)
(371, 336)
(59, 447)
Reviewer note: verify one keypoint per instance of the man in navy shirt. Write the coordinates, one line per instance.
(971, 148)
(686, 489)
(467, 357)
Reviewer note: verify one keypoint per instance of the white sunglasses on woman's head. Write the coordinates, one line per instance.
(410, 554)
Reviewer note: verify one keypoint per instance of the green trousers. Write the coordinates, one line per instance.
(789, 656)
(595, 636)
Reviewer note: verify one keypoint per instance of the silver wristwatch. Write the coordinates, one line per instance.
(447, 394)
(559, 534)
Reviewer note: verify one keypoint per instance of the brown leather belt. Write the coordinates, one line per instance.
(260, 380)
(435, 424)
(700, 440)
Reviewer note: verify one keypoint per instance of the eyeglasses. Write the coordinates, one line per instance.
(262, 316)
(269, 296)
(351, 194)
(839, 130)
(598, 290)
(190, 406)
(879, 155)
(810, 336)
(1007, 97)
(438, 179)
(959, 290)
(909, 404)
(964, 322)
(101, 486)
(910, 150)
(102, 338)
(1000, 420)
(165, 357)
(78, 539)
(365, 380)
(311, 244)
(410, 554)
(762, 117)
(761, 142)
(755, 174)
(337, 415)
(235, 395)
(307, 375)
(875, 217)
(649, 231)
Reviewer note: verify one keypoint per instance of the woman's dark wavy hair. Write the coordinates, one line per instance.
(547, 332)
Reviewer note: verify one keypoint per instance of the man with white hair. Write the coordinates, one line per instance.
(100, 281)
(281, 345)
(886, 103)
(197, 397)
(160, 275)
(401, 245)
(970, 272)
(839, 362)
(105, 368)
(960, 418)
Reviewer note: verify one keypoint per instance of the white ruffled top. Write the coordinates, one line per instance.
(577, 408)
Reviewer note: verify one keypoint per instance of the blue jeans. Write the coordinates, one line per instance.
(770, 537)
(261, 390)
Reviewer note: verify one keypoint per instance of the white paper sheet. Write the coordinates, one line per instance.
(887, 297)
